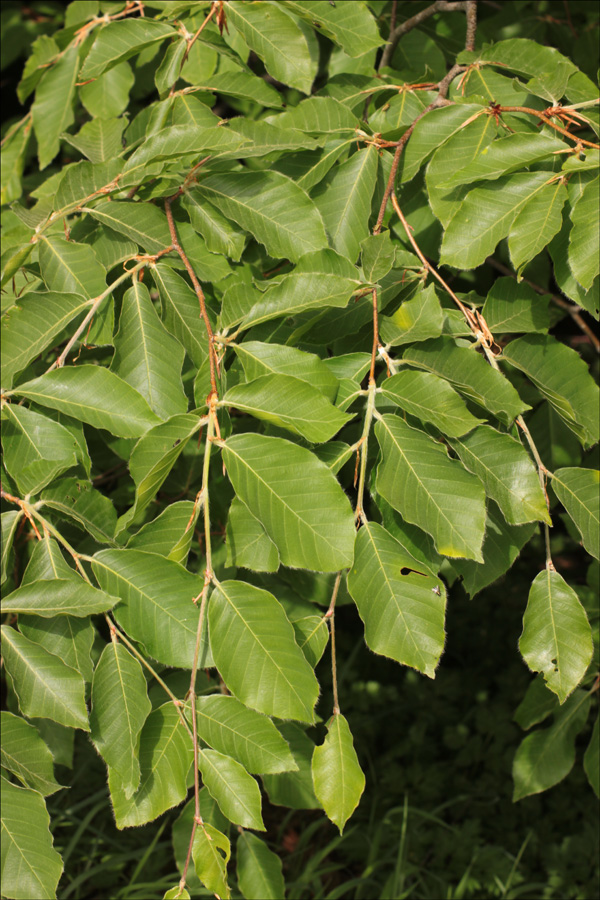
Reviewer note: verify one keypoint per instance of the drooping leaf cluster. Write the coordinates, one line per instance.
(236, 391)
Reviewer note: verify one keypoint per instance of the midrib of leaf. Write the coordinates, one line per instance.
(226, 785)
(281, 500)
(24, 432)
(122, 417)
(510, 214)
(589, 513)
(414, 472)
(350, 198)
(126, 704)
(24, 858)
(138, 590)
(152, 770)
(397, 605)
(144, 345)
(261, 36)
(248, 740)
(119, 225)
(276, 225)
(38, 677)
(64, 265)
(262, 646)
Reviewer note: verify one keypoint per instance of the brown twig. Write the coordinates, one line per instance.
(413, 22)
(212, 356)
(543, 118)
(471, 24)
(330, 614)
(191, 43)
(573, 310)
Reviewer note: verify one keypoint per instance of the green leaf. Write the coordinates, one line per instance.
(556, 638)
(13, 162)
(515, 151)
(93, 395)
(310, 628)
(294, 789)
(486, 216)
(157, 603)
(431, 399)
(220, 234)
(142, 222)
(513, 306)
(44, 685)
(71, 267)
(245, 85)
(429, 489)
(259, 870)
(236, 792)
(289, 403)
(248, 544)
(170, 533)
(566, 281)
(271, 207)
(259, 359)
(30, 326)
(319, 116)
(58, 597)
(36, 449)
(154, 456)
(165, 759)
(319, 280)
(118, 41)
(211, 851)
(501, 547)
(10, 522)
(31, 867)
(295, 497)
(584, 256)
(52, 109)
(262, 138)
(563, 378)
(377, 255)
(507, 472)
(577, 490)
(537, 704)
(344, 200)
(78, 500)
(415, 320)
(43, 51)
(25, 754)
(257, 656)
(67, 637)
(146, 356)
(108, 95)
(403, 609)
(536, 224)
(100, 139)
(277, 40)
(228, 726)
(179, 141)
(181, 312)
(433, 130)
(467, 371)
(82, 180)
(591, 759)
(546, 756)
(120, 707)
(352, 27)
(337, 775)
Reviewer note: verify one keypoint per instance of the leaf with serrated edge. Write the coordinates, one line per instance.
(577, 490)
(556, 638)
(337, 775)
(296, 498)
(417, 477)
(120, 707)
(255, 650)
(403, 609)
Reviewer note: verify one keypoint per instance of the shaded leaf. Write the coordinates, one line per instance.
(259, 870)
(79, 501)
(294, 789)
(584, 256)
(25, 754)
(52, 109)
(36, 449)
(577, 490)
(248, 544)
(118, 41)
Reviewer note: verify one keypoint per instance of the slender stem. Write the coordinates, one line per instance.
(212, 356)
(330, 614)
(544, 118)
(364, 446)
(96, 303)
(471, 24)
(191, 43)
(375, 337)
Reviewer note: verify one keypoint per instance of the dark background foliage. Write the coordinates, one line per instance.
(436, 819)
